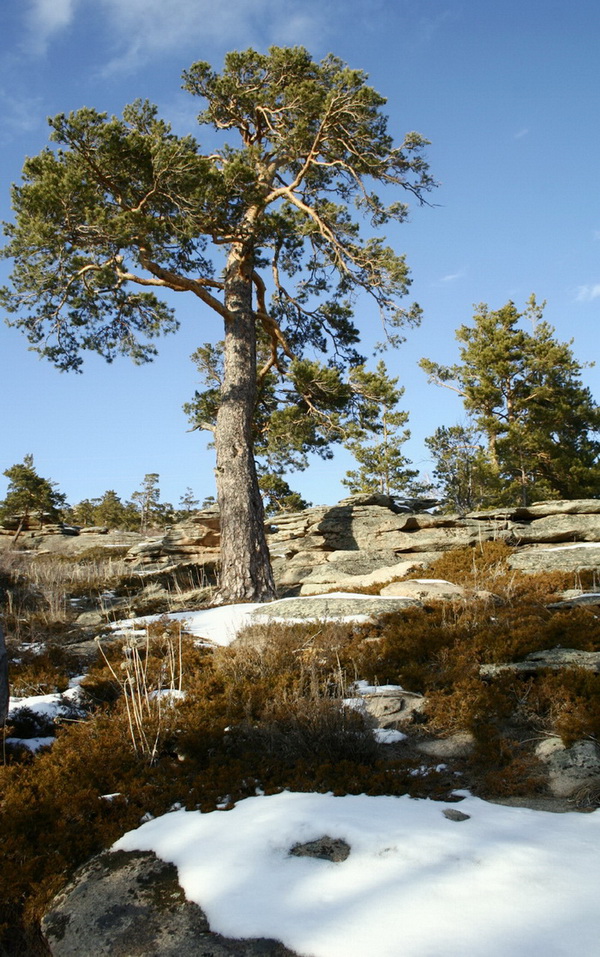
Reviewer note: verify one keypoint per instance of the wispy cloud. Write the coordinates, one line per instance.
(522, 132)
(140, 30)
(588, 293)
(45, 18)
(143, 29)
(19, 114)
(453, 276)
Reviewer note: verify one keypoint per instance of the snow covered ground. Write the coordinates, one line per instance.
(505, 882)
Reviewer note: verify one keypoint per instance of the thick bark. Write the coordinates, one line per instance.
(246, 573)
(4, 690)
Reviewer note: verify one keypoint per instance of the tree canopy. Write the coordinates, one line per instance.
(30, 494)
(265, 228)
(522, 389)
(377, 438)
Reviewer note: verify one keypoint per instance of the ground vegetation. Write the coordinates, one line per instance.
(266, 712)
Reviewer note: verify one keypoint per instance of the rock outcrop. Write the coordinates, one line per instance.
(366, 541)
(124, 903)
(551, 658)
(571, 769)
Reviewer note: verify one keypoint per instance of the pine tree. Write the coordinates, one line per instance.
(188, 504)
(82, 513)
(124, 208)
(147, 501)
(462, 470)
(278, 496)
(29, 494)
(378, 435)
(109, 510)
(523, 390)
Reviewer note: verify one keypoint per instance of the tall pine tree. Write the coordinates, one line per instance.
(30, 495)
(289, 197)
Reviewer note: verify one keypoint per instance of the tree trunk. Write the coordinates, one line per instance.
(24, 518)
(246, 573)
(4, 690)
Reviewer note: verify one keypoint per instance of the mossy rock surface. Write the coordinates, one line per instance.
(125, 904)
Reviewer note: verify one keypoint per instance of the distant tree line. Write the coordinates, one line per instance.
(30, 496)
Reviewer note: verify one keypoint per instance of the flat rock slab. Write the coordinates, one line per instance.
(331, 607)
(561, 558)
(389, 709)
(457, 745)
(570, 769)
(130, 904)
(553, 658)
(593, 600)
(424, 589)
(559, 528)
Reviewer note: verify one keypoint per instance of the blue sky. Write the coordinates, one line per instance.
(509, 96)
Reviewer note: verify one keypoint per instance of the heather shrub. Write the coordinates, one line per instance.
(479, 566)
(39, 670)
(438, 651)
(567, 703)
(298, 728)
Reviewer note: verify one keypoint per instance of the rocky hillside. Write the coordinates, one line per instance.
(370, 540)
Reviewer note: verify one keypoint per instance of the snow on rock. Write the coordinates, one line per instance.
(219, 625)
(222, 624)
(48, 705)
(506, 881)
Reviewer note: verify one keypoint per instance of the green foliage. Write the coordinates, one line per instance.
(295, 415)
(462, 469)
(121, 199)
(278, 496)
(151, 510)
(143, 511)
(523, 391)
(188, 504)
(28, 493)
(309, 411)
(108, 510)
(376, 440)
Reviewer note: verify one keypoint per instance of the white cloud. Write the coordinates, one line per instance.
(588, 293)
(47, 17)
(143, 29)
(452, 276)
(523, 132)
(20, 114)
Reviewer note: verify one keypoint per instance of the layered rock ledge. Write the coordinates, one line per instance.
(367, 541)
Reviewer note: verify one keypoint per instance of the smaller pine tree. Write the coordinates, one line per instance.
(30, 495)
(523, 391)
(378, 435)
